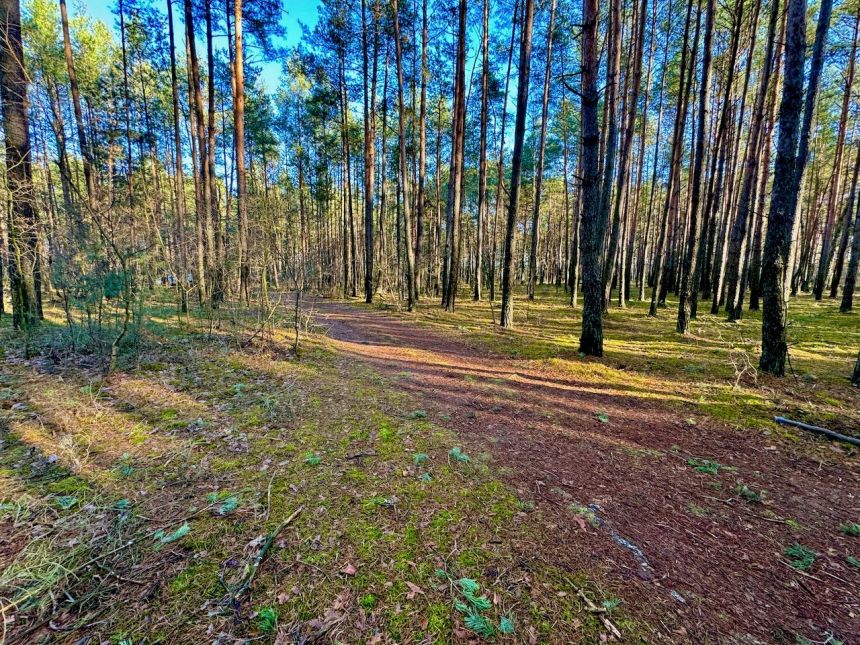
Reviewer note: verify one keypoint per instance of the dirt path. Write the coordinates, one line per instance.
(620, 500)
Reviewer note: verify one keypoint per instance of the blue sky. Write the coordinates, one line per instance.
(294, 13)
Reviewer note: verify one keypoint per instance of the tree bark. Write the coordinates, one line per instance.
(369, 144)
(777, 246)
(750, 174)
(451, 260)
(86, 152)
(241, 178)
(854, 260)
(591, 232)
(688, 271)
(202, 208)
(672, 183)
(422, 156)
(217, 253)
(22, 221)
(628, 128)
(179, 225)
(482, 154)
(532, 278)
(506, 317)
(404, 165)
(500, 178)
(846, 221)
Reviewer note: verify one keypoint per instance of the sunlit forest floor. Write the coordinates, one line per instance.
(711, 371)
(427, 477)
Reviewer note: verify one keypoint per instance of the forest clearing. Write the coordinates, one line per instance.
(429, 321)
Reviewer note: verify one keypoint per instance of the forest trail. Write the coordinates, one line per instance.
(686, 520)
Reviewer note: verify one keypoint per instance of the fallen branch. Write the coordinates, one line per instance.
(830, 434)
(594, 609)
(251, 570)
(801, 572)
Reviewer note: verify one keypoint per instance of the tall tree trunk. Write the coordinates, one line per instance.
(854, 260)
(633, 225)
(128, 155)
(835, 191)
(482, 153)
(422, 156)
(241, 179)
(591, 232)
(643, 269)
(750, 173)
(777, 246)
(22, 221)
(181, 279)
(715, 224)
(350, 286)
(628, 128)
(610, 124)
(404, 165)
(202, 196)
(507, 313)
(217, 253)
(369, 143)
(532, 277)
(689, 276)
(809, 109)
(500, 176)
(58, 126)
(673, 181)
(451, 261)
(86, 152)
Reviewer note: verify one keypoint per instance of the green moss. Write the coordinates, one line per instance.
(71, 485)
(221, 465)
(439, 621)
(386, 433)
(199, 579)
(470, 559)
(368, 601)
(441, 525)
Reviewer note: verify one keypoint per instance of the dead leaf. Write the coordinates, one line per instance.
(349, 570)
(413, 590)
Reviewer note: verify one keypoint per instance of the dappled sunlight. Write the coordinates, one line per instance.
(154, 400)
(710, 367)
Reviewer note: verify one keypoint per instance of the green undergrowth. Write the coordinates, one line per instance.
(181, 466)
(711, 371)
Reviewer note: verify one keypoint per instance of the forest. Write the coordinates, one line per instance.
(430, 321)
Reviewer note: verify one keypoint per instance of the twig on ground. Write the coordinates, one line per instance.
(251, 570)
(594, 609)
(269, 496)
(803, 573)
